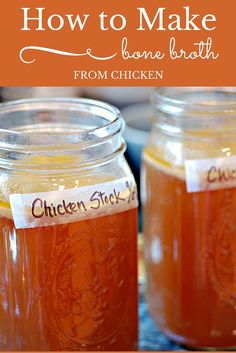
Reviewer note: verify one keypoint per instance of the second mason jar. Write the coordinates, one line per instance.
(68, 228)
(189, 203)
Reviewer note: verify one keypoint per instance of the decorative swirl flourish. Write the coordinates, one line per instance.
(61, 52)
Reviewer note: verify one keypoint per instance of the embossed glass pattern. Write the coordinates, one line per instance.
(190, 237)
(69, 286)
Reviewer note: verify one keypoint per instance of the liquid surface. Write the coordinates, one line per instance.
(190, 252)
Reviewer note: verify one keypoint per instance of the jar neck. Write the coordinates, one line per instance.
(59, 134)
(194, 110)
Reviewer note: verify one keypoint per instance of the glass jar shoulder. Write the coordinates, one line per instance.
(170, 151)
(38, 181)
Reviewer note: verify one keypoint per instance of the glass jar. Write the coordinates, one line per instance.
(68, 226)
(189, 205)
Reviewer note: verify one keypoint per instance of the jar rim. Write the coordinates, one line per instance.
(59, 133)
(114, 123)
(205, 100)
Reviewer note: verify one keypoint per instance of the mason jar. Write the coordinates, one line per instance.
(189, 205)
(68, 226)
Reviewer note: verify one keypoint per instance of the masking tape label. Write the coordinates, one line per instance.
(210, 174)
(71, 205)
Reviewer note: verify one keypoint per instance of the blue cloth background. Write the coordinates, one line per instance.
(150, 338)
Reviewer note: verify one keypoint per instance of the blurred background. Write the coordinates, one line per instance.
(134, 103)
(138, 113)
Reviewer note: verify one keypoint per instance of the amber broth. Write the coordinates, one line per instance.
(190, 252)
(70, 286)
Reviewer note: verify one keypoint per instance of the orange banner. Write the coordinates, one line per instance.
(118, 42)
